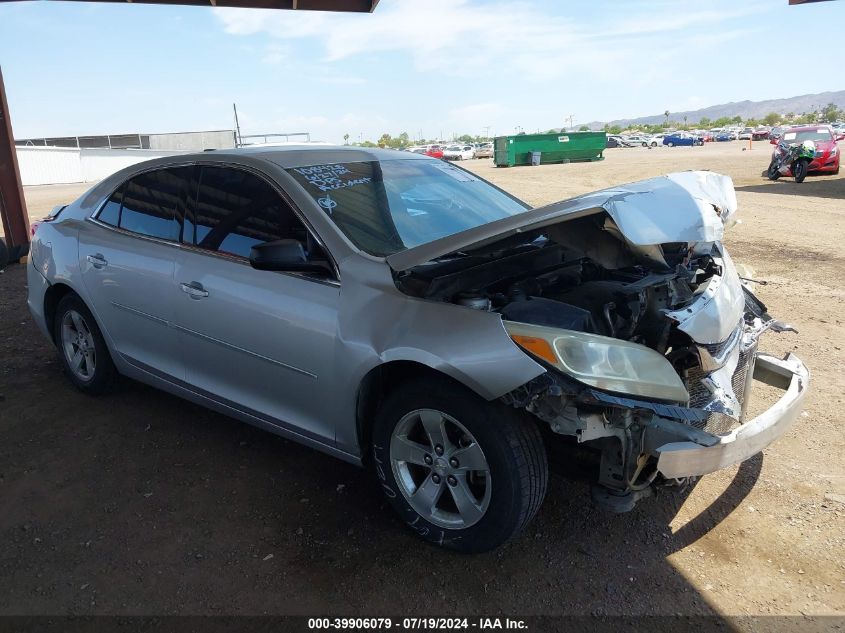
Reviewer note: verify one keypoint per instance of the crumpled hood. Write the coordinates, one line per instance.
(690, 206)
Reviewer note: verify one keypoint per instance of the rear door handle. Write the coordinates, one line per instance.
(97, 260)
(194, 289)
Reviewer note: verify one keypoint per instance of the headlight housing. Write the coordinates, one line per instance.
(602, 362)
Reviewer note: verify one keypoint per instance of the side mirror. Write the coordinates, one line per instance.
(283, 255)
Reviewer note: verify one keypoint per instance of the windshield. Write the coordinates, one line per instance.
(822, 134)
(388, 206)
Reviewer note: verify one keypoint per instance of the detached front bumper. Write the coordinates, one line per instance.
(685, 459)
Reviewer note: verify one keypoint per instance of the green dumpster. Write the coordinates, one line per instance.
(554, 148)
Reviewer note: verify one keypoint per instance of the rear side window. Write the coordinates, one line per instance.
(110, 213)
(235, 210)
(152, 203)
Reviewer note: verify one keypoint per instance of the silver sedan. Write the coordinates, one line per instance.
(401, 313)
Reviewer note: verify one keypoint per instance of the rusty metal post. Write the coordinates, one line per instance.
(12, 203)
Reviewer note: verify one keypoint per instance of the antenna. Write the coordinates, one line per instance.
(238, 139)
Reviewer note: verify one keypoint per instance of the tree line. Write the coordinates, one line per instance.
(829, 114)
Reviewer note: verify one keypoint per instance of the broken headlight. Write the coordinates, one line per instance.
(602, 362)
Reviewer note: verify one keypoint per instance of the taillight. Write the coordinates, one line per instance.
(32, 227)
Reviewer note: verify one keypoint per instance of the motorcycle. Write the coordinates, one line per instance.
(795, 158)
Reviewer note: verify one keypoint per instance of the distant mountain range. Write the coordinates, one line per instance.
(745, 109)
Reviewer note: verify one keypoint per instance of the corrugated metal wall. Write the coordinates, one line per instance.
(194, 141)
(59, 165)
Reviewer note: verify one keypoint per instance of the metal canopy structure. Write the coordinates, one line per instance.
(349, 6)
(12, 204)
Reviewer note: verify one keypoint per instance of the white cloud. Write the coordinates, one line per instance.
(275, 54)
(462, 38)
(474, 114)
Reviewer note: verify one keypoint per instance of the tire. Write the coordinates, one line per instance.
(772, 172)
(670, 144)
(499, 497)
(4, 254)
(75, 331)
(799, 170)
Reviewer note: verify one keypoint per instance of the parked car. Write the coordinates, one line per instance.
(723, 136)
(484, 150)
(614, 140)
(760, 134)
(459, 152)
(706, 136)
(827, 153)
(682, 138)
(746, 134)
(401, 313)
(434, 151)
(636, 140)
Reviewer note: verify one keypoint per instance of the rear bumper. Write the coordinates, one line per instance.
(685, 459)
(37, 286)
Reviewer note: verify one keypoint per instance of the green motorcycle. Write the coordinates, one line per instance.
(794, 157)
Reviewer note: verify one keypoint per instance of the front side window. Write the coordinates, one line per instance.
(388, 206)
(150, 204)
(235, 210)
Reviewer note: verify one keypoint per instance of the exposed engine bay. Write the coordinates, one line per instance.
(590, 273)
(580, 275)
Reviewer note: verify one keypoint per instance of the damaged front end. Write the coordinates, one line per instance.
(649, 337)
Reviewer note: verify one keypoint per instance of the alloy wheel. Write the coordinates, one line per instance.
(78, 345)
(440, 469)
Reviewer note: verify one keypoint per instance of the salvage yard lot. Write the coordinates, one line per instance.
(140, 503)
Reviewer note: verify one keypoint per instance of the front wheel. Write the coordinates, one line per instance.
(799, 170)
(463, 473)
(670, 144)
(772, 172)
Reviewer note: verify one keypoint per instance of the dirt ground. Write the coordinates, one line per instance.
(140, 503)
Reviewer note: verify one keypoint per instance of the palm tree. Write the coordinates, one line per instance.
(666, 114)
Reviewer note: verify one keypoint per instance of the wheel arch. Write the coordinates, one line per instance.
(379, 381)
(55, 293)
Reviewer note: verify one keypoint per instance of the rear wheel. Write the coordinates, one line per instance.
(82, 349)
(799, 170)
(463, 473)
(4, 254)
(772, 172)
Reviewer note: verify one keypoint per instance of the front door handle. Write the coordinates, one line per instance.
(195, 290)
(97, 260)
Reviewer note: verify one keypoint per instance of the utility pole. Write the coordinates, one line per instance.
(571, 118)
(237, 127)
(487, 132)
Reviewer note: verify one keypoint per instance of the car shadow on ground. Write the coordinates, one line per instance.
(822, 186)
(140, 502)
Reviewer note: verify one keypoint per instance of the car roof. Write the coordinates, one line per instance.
(808, 128)
(302, 155)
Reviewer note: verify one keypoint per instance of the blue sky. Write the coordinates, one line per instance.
(435, 66)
